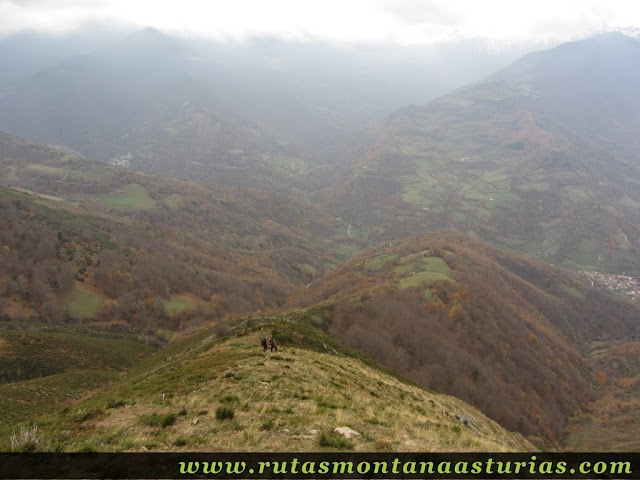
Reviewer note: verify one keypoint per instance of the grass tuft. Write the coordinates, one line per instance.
(224, 413)
(116, 403)
(267, 425)
(25, 441)
(229, 399)
(333, 440)
(155, 420)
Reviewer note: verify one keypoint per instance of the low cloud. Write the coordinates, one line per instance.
(352, 21)
(420, 11)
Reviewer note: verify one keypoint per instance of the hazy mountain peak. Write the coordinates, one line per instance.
(602, 49)
(150, 40)
(146, 34)
(602, 71)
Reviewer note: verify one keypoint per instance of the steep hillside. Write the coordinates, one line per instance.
(541, 158)
(507, 334)
(83, 240)
(612, 421)
(44, 366)
(206, 393)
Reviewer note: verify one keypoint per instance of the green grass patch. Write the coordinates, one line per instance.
(574, 193)
(419, 278)
(414, 196)
(474, 195)
(535, 186)
(229, 399)
(622, 261)
(495, 177)
(12, 175)
(574, 292)
(20, 401)
(585, 256)
(94, 177)
(378, 263)
(430, 269)
(306, 268)
(176, 305)
(44, 350)
(47, 172)
(179, 303)
(225, 413)
(629, 202)
(157, 420)
(82, 301)
(334, 441)
(129, 197)
(421, 195)
(287, 165)
(116, 403)
(267, 425)
(44, 366)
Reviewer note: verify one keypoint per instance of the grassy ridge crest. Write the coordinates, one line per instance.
(211, 392)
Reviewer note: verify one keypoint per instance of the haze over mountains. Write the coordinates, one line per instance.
(199, 109)
(189, 184)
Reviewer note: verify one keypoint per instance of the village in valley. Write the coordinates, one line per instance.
(625, 284)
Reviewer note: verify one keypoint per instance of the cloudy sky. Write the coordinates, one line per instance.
(356, 21)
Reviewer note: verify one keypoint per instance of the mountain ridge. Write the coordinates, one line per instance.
(217, 391)
(468, 317)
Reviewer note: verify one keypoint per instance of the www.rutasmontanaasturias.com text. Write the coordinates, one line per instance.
(268, 469)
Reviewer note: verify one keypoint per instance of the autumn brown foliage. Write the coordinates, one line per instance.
(505, 333)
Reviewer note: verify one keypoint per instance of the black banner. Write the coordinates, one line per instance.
(319, 465)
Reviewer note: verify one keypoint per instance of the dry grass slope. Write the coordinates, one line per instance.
(202, 394)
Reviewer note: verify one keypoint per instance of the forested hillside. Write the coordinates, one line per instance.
(81, 240)
(510, 335)
(538, 158)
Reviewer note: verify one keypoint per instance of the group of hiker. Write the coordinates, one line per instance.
(271, 343)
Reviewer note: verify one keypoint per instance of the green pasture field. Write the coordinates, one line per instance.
(431, 269)
(129, 197)
(46, 171)
(82, 301)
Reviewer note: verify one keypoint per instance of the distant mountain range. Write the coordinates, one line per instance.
(266, 113)
(541, 158)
